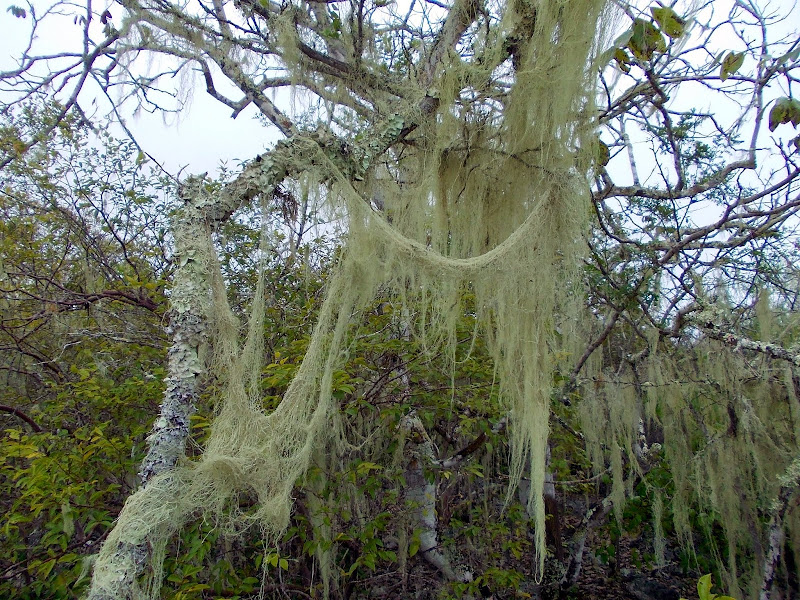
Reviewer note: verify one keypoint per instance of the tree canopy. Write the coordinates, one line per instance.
(542, 245)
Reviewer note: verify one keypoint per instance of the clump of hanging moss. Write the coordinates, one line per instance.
(497, 205)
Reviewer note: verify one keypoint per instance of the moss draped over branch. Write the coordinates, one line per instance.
(498, 208)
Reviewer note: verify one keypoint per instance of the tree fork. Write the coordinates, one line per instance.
(191, 297)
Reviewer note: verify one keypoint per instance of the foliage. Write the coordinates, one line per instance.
(704, 589)
(673, 400)
(83, 270)
(64, 485)
(83, 231)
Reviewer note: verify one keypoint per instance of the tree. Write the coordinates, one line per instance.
(470, 147)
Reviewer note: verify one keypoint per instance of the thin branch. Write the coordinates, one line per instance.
(21, 415)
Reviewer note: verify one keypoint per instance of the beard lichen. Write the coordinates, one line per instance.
(727, 425)
(496, 203)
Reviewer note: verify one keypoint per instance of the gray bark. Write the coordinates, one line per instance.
(421, 494)
(790, 484)
(593, 516)
(190, 304)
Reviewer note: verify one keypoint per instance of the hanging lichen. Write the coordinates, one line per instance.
(496, 204)
(729, 432)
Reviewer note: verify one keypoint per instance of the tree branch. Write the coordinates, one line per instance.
(18, 413)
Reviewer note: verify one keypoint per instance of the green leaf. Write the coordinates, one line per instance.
(623, 60)
(413, 545)
(669, 22)
(704, 588)
(68, 521)
(365, 467)
(785, 110)
(623, 40)
(617, 47)
(776, 115)
(646, 40)
(730, 64)
(790, 56)
(602, 153)
(45, 568)
(476, 470)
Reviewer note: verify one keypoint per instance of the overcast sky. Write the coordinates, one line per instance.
(204, 136)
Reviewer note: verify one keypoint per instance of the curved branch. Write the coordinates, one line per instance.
(21, 415)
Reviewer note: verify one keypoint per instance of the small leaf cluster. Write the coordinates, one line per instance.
(646, 38)
(784, 111)
(704, 590)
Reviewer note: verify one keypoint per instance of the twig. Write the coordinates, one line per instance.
(18, 413)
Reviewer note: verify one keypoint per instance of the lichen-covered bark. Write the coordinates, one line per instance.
(712, 324)
(167, 441)
(421, 494)
(190, 300)
(130, 561)
(790, 484)
(188, 326)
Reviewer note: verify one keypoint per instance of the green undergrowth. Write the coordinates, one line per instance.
(63, 487)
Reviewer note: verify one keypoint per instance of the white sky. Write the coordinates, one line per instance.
(204, 136)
